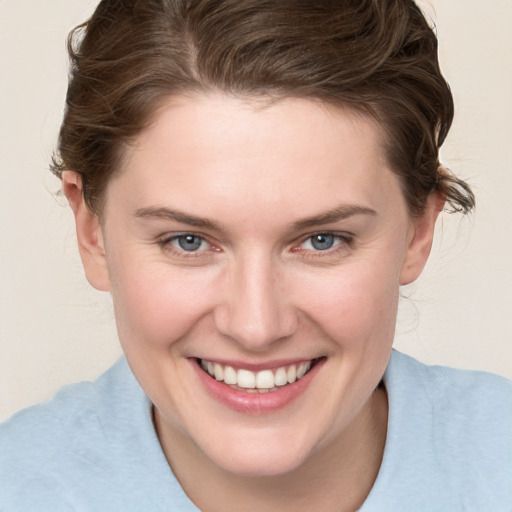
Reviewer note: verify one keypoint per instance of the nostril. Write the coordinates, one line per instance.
(256, 329)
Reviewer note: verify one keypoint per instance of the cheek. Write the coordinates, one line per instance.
(356, 304)
(155, 305)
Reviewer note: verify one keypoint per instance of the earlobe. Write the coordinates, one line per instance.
(420, 243)
(88, 231)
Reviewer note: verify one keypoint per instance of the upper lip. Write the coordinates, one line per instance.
(255, 367)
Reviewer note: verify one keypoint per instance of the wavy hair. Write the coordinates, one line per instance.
(375, 56)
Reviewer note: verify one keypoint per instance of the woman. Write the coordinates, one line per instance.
(253, 182)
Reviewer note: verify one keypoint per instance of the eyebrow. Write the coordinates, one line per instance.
(328, 217)
(163, 213)
(336, 214)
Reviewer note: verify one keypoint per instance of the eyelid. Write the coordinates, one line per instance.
(346, 240)
(166, 237)
(344, 235)
(165, 241)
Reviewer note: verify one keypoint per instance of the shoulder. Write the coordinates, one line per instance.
(443, 379)
(92, 444)
(451, 393)
(44, 437)
(449, 438)
(76, 407)
(469, 411)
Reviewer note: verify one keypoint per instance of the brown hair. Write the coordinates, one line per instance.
(376, 56)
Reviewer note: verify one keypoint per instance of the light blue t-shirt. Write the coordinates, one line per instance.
(93, 447)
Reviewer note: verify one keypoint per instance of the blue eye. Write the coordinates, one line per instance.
(323, 241)
(189, 243)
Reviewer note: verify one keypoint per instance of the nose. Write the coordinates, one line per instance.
(255, 310)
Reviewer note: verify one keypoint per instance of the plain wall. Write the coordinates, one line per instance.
(55, 329)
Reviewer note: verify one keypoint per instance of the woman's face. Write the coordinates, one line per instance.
(259, 241)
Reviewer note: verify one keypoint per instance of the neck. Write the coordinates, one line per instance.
(337, 478)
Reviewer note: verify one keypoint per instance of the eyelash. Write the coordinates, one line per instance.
(166, 243)
(344, 241)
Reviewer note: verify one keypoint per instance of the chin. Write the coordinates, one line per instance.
(259, 458)
(261, 466)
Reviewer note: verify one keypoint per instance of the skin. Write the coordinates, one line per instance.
(257, 290)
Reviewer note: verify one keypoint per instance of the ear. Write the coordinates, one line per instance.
(88, 231)
(420, 242)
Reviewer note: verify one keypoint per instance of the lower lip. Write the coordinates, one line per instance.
(256, 403)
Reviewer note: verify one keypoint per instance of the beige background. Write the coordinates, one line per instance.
(54, 329)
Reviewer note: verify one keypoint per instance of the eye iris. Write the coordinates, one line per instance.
(189, 242)
(322, 242)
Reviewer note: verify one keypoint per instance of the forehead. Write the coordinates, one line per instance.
(212, 116)
(265, 155)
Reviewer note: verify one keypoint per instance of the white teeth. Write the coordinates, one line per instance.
(218, 371)
(291, 374)
(263, 381)
(246, 379)
(230, 376)
(280, 377)
(303, 368)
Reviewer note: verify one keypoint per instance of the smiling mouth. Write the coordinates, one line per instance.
(264, 381)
